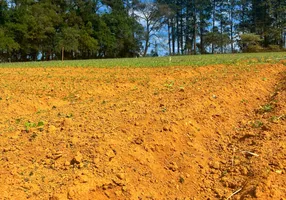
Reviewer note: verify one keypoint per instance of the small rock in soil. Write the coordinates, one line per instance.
(236, 162)
(54, 197)
(165, 128)
(67, 122)
(71, 193)
(57, 155)
(67, 163)
(48, 161)
(173, 166)
(244, 171)
(138, 141)
(77, 159)
(214, 164)
(84, 178)
(52, 129)
(110, 153)
(182, 89)
(120, 176)
(81, 165)
(118, 193)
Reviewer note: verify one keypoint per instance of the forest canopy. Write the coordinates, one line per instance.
(83, 29)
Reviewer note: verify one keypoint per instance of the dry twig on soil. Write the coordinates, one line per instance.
(237, 191)
(250, 153)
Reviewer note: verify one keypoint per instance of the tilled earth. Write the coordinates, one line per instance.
(214, 132)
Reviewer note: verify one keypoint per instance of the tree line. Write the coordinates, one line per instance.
(83, 29)
(223, 26)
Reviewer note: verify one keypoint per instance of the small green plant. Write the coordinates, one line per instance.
(243, 101)
(33, 137)
(40, 123)
(181, 180)
(275, 119)
(224, 173)
(134, 88)
(39, 111)
(29, 125)
(257, 124)
(132, 79)
(18, 120)
(169, 84)
(70, 115)
(70, 97)
(266, 108)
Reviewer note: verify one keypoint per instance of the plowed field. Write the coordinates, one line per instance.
(213, 132)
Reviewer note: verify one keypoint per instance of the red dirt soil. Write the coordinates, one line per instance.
(215, 132)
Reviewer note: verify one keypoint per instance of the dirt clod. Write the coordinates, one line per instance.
(54, 198)
(173, 166)
(77, 159)
(214, 164)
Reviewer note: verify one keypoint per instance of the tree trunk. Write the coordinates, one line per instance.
(169, 38)
(195, 28)
(178, 33)
(242, 18)
(63, 52)
(221, 37)
(173, 36)
(181, 32)
(214, 7)
(187, 32)
(231, 26)
(146, 47)
(195, 39)
(147, 38)
(201, 38)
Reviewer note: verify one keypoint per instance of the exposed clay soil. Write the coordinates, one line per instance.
(162, 133)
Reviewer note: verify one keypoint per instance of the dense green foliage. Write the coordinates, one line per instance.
(216, 26)
(242, 59)
(82, 29)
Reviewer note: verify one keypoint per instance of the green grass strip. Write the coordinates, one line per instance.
(191, 60)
